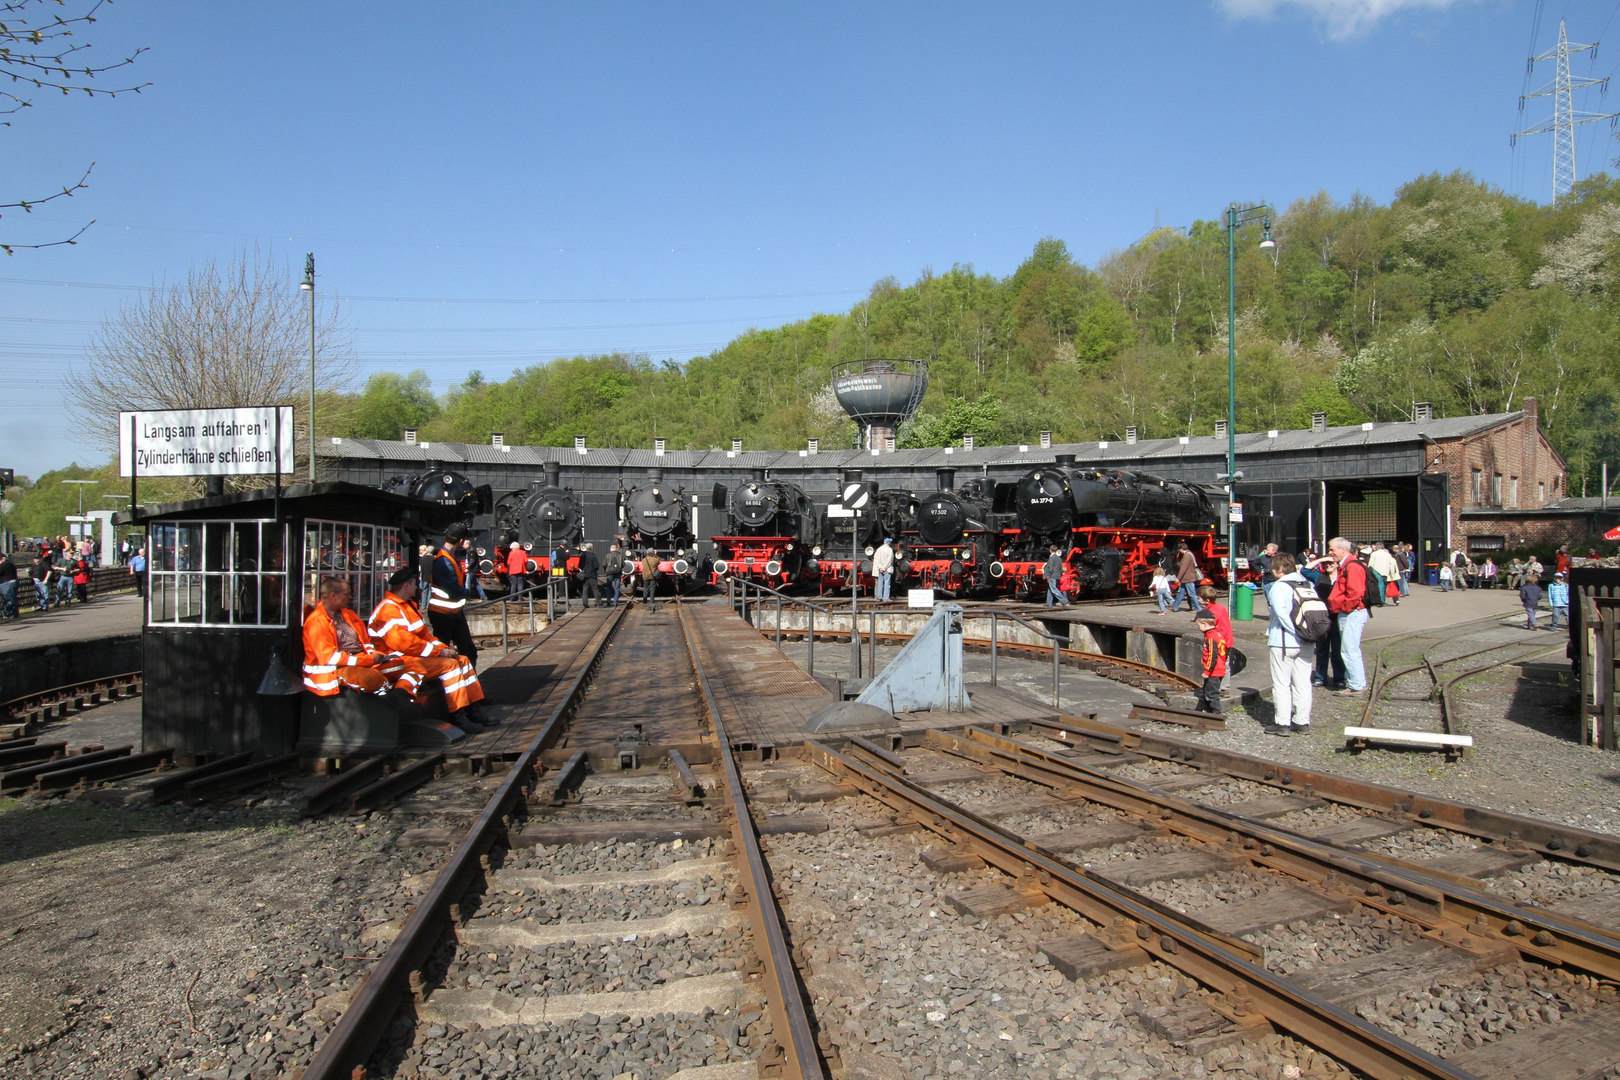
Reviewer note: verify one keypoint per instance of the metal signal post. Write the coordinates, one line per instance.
(1236, 217)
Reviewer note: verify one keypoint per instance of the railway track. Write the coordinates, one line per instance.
(1210, 882)
(1413, 677)
(599, 909)
(22, 712)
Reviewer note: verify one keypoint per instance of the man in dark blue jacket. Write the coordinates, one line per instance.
(449, 593)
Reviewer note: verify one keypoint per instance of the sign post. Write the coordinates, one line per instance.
(856, 496)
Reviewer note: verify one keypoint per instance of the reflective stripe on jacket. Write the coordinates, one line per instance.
(449, 592)
(399, 626)
(322, 654)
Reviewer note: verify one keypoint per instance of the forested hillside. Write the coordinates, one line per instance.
(1453, 293)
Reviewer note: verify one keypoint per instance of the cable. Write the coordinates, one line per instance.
(470, 300)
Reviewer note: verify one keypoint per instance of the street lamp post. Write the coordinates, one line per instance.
(309, 287)
(1236, 217)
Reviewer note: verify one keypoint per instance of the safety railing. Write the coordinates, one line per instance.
(738, 591)
(527, 594)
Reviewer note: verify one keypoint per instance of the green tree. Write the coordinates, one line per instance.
(389, 404)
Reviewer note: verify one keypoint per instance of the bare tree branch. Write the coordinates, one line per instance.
(226, 337)
(39, 56)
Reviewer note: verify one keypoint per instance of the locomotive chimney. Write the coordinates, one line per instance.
(1063, 459)
(553, 474)
(946, 479)
(655, 476)
(852, 476)
(758, 475)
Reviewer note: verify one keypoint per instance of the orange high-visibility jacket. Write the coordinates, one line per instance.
(447, 589)
(323, 656)
(399, 627)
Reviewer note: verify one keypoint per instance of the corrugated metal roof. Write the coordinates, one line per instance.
(1117, 453)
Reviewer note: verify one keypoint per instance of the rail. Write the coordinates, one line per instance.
(1227, 964)
(737, 594)
(347, 1047)
(790, 1016)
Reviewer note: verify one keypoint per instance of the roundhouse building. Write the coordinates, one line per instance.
(1478, 482)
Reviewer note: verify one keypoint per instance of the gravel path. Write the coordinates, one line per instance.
(175, 943)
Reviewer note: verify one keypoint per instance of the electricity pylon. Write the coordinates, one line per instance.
(1564, 118)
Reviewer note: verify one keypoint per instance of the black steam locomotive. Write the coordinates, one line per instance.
(770, 528)
(954, 536)
(1113, 527)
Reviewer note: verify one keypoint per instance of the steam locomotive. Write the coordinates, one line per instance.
(1113, 527)
(770, 528)
(954, 537)
(655, 516)
(843, 555)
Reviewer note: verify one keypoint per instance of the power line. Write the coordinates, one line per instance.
(473, 300)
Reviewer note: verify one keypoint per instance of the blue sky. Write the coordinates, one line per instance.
(658, 178)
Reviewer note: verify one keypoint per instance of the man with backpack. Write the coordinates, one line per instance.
(1355, 589)
(1299, 619)
(613, 567)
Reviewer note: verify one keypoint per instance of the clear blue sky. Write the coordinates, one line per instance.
(708, 168)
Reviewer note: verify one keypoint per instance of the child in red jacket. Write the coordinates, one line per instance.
(1214, 666)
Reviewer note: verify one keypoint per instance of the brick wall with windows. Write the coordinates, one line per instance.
(1511, 466)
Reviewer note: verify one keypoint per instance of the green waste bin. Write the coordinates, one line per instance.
(1243, 603)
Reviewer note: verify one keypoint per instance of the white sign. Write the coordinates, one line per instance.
(920, 598)
(204, 442)
(1234, 513)
(836, 511)
(856, 496)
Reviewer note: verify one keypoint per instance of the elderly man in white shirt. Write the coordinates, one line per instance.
(883, 568)
(1291, 659)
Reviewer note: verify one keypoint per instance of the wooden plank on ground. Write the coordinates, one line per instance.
(1182, 781)
(1393, 971)
(1359, 832)
(1481, 862)
(599, 832)
(1026, 804)
(1134, 873)
(1098, 760)
(1086, 837)
(946, 861)
(1279, 906)
(1192, 1025)
(937, 777)
(789, 824)
(1272, 806)
(1577, 1047)
(1082, 956)
(992, 900)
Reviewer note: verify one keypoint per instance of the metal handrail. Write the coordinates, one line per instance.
(1058, 643)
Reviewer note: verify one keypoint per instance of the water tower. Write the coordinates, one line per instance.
(880, 395)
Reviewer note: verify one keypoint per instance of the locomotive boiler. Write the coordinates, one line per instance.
(1113, 526)
(770, 527)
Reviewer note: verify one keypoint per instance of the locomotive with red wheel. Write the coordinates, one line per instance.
(771, 527)
(843, 556)
(1112, 526)
(953, 538)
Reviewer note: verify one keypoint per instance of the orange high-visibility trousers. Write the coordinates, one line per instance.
(454, 673)
(364, 679)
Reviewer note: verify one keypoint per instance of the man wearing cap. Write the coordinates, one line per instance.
(397, 625)
(448, 594)
(1558, 598)
(883, 568)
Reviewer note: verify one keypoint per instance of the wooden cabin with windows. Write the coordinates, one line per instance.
(230, 579)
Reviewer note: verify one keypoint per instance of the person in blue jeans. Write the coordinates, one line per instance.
(8, 588)
(1558, 599)
(1329, 656)
(1054, 575)
(1348, 603)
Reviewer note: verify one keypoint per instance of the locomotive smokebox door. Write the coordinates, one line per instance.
(718, 501)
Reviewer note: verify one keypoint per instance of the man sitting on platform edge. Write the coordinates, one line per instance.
(398, 624)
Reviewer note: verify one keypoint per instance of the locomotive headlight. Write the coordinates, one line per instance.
(719, 566)
(816, 550)
(485, 566)
(528, 547)
(681, 567)
(655, 493)
(790, 547)
(773, 568)
(996, 570)
(481, 552)
(531, 566)
(869, 550)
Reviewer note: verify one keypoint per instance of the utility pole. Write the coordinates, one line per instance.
(309, 287)
(1564, 118)
(1236, 218)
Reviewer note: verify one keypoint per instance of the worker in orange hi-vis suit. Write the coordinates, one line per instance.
(338, 650)
(398, 626)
